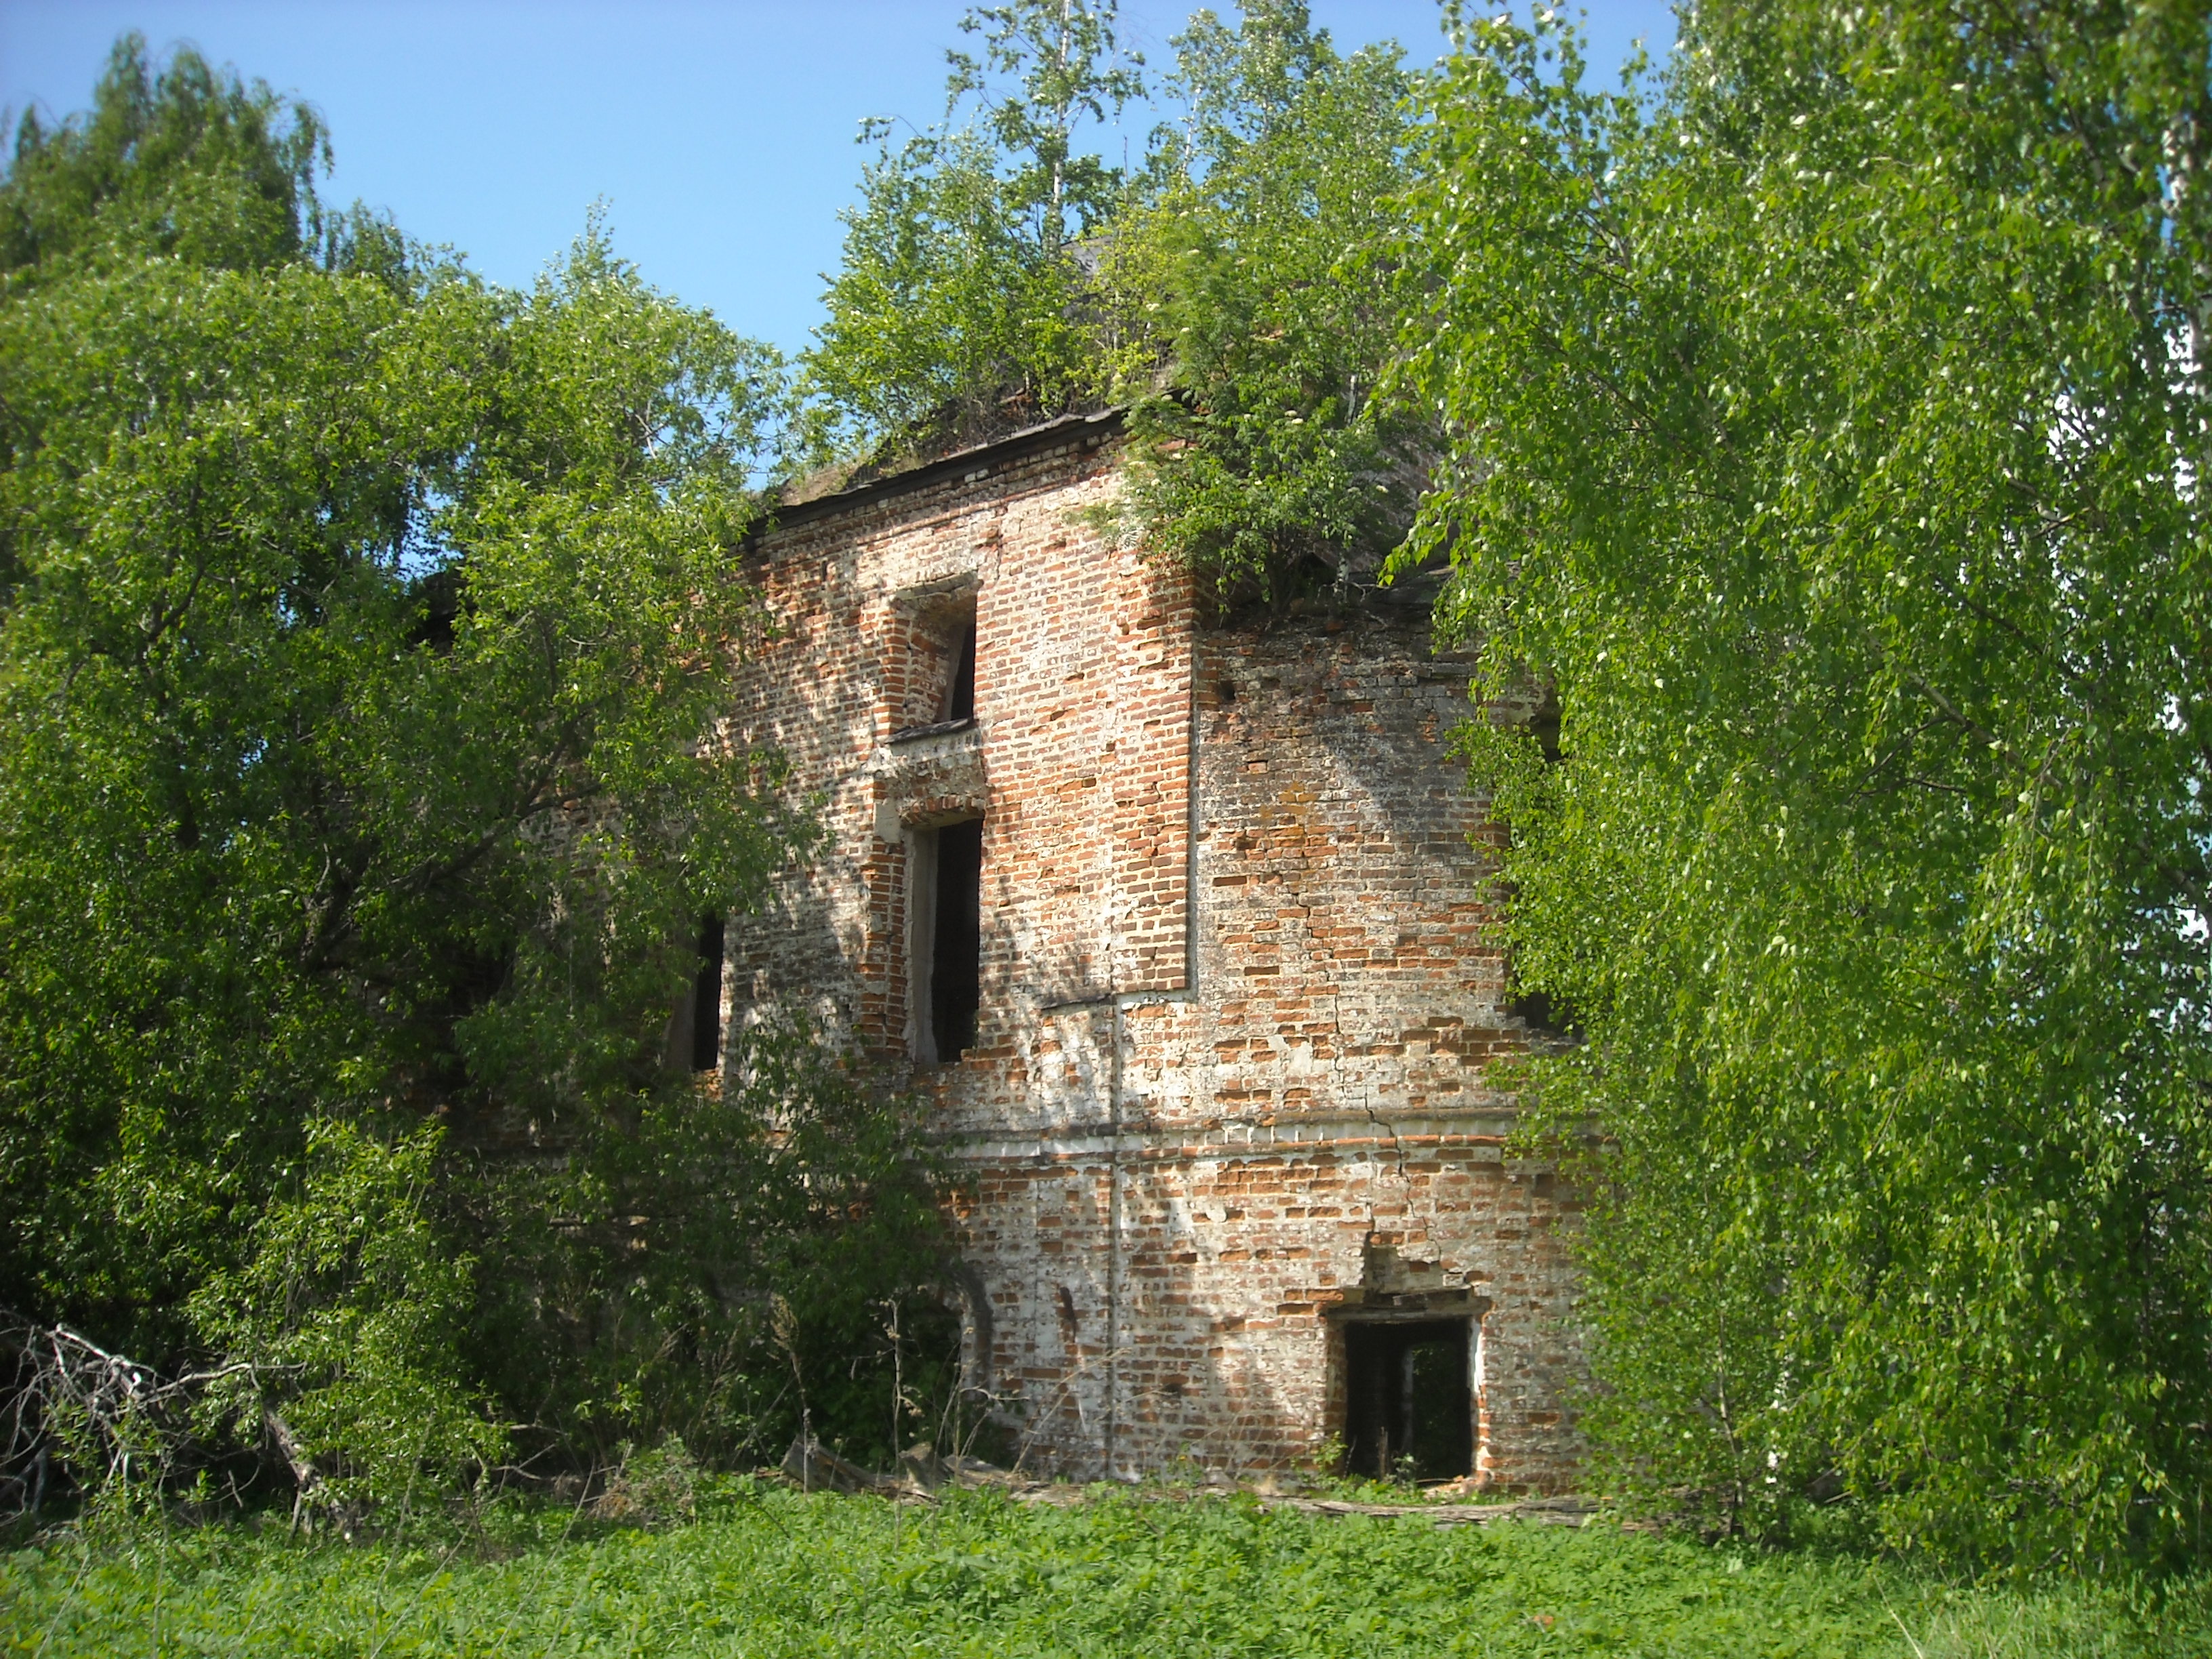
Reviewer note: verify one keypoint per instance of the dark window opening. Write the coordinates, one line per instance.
(945, 967)
(955, 973)
(706, 997)
(1407, 1399)
(1545, 727)
(1543, 1015)
(440, 596)
(960, 698)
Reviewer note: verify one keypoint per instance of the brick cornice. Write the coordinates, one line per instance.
(969, 465)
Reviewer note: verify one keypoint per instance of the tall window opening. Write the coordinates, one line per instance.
(944, 974)
(1408, 1400)
(933, 680)
(960, 696)
(706, 996)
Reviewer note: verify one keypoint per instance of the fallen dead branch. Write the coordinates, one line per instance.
(71, 1409)
(104, 1417)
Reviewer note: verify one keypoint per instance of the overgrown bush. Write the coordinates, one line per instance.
(960, 310)
(1827, 419)
(738, 1261)
(365, 633)
(339, 1332)
(1255, 318)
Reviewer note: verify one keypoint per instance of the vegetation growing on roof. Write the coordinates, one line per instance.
(1224, 290)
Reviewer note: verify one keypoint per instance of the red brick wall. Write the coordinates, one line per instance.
(1171, 1193)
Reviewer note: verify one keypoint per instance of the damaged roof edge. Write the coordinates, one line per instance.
(976, 460)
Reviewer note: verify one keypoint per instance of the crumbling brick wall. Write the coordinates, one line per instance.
(1187, 1154)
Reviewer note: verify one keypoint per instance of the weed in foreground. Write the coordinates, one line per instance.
(766, 1572)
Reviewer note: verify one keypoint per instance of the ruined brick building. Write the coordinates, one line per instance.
(1179, 931)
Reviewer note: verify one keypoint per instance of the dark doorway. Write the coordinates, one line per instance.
(956, 967)
(1406, 1395)
(706, 997)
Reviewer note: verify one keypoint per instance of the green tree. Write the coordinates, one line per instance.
(363, 651)
(1828, 420)
(1070, 68)
(957, 310)
(1253, 322)
(1232, 293)
(355, 673)
(184, 162)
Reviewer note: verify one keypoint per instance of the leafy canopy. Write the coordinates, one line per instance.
(1224, 293)
(1071, 68)
(957, 310)
(363, 644)
(185, 162)
(1255, 333)
(1826, 424)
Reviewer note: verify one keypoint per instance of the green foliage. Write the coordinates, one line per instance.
(1230, 294)
(274, 844)
(1258, 324)
(769, 1573)
(630, 1293)
(184, 163)
(949, 320)
(364, 637)
(1828, 421)
(348, 1310)
(1070, 67)
(956, 312)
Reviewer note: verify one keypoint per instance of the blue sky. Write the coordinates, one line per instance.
(721, 135)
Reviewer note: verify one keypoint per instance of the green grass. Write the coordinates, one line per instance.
(768, 1572)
